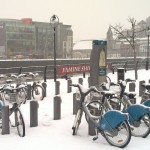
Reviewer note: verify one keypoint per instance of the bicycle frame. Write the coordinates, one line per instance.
(136, 111)
(109, 123)
(104, 120)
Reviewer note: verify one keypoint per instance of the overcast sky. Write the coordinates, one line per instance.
(90, 19)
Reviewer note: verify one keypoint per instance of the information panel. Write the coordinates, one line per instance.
(98, 63)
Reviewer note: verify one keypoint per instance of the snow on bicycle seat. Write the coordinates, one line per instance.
(10, 88)
(2, 76)
(13, 76)
(108, 93)
(1, 88)
(17, 76)
(8, 81)
(129, 94)
(147, 86)
(33, 74)
(22, 75)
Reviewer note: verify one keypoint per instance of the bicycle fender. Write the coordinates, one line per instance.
(136, 111)
(112, 119)
(147, 103)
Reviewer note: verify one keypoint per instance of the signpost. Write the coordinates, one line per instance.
(98, 63)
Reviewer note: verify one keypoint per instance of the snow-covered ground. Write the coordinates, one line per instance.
(57, 134)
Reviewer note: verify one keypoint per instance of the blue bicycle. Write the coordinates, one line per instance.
(139, 117)
(112, 125)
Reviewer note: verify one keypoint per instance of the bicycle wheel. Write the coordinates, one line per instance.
(145, 96)
(115, 103)
(77, 122)
(141, 128)
(19, 121)
(120, 136)
(38, 92)
(22, 95)
(94, 108)
(108, 80)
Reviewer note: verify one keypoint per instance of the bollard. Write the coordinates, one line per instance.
(75, 104)
(88, 81)
(57, 88)
(91, 128)
(34, 113)
(57, 107)
(91, 125)
(141, 88)
(131, 87)
(81, 81)
(44, 86)
(5, 120)
(29, 92)
(69, 87)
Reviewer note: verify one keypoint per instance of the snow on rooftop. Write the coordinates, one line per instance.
(83, 45)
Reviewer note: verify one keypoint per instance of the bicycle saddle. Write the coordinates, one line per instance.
(108, 93)
(147, 86)
(130, 95)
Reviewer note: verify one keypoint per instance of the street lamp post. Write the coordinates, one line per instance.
(147, 62)
(54, 21)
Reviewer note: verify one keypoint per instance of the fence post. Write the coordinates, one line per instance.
(141, 88)
(45, 70)
(5, 120)
(137, 65)
(57, 107)
(125, 66)
(20, 70)
(88, 81)
(29, 92)
(83, 74)
(57, 88)
(69, 87)
(34, 113)
(81, 81)
(44, 86)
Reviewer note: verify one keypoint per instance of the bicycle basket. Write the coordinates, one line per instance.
(13, 98)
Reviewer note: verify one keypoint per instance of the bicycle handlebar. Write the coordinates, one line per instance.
(10, 88)
(114, 84)
(130, 80)
(80, 87)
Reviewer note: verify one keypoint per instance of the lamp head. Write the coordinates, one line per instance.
(53, 17)
(54, 21)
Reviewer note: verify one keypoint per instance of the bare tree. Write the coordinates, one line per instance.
(129, 36)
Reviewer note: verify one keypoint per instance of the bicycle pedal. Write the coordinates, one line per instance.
(95, 138)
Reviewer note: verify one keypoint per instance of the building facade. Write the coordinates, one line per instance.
(82, 49)
(30, 39)
(119, 47)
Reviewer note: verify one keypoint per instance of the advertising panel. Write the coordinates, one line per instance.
(72, 69)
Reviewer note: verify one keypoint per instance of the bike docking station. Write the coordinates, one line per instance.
(5, 120)
(97, 72)
(34, 105)
(57, 102)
